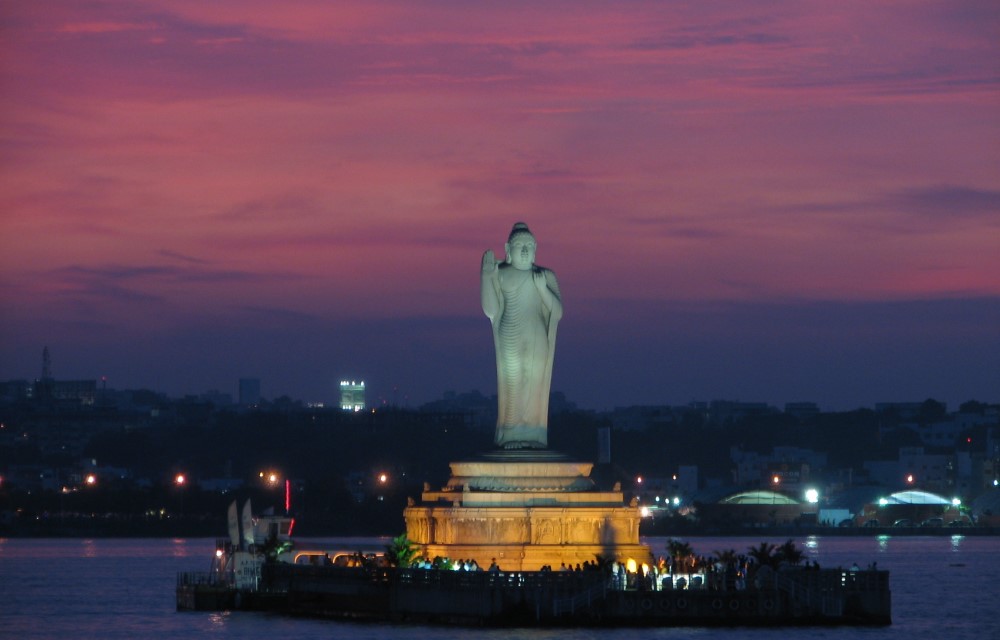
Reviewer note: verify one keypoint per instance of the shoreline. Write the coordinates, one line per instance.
(84, 530)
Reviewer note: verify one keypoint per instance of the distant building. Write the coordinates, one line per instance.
(249, 392)
(902, 410)
(802, 410)
(638, 418)
(13, 390)
(913, 468)
(218, 398)
(723, 412)
(480, 410)
(791, 466)
(81, 391)
(945, 432)
(687, 479)
(352, 395)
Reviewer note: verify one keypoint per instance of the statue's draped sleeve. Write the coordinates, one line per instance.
(552, 319)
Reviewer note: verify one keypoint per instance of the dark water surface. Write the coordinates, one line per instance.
(942, 587)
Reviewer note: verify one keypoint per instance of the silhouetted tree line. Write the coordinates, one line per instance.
(323, 452)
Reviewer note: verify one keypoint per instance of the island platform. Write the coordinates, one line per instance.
(786, 597)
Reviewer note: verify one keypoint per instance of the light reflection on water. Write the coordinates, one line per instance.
(218, 619)
(883, 542)
(124, 588)
(811, 545)
(956, 542)
(181, 548)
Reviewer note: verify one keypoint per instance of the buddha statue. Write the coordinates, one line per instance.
(524, 306)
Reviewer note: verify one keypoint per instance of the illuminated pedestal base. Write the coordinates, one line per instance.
(526, 509)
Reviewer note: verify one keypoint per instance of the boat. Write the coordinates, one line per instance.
(235, 578)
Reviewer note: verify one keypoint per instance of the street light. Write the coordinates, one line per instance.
(179, 480)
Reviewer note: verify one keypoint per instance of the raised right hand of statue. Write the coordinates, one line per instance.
(489, 263)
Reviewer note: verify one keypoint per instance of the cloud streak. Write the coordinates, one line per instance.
(168, 167)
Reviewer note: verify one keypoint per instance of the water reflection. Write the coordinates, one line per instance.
(218, 619)
(179, 548)
(89, 548)
(956, 543)
(883, 542)
(128, 592)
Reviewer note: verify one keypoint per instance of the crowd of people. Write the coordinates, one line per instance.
(724, 571)
(444, 563)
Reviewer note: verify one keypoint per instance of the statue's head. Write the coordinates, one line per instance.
(521, 247)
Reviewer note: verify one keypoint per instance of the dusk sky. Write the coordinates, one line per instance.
(766, 202)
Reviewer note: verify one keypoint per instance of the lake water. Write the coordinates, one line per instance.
(942, 587)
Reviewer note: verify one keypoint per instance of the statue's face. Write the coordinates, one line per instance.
(521, 251)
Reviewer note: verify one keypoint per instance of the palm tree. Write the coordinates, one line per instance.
(789, 553)
(400, 552)
(725, 562)
(765, 555)
(678, 548)
(682, 555)
(725, 557)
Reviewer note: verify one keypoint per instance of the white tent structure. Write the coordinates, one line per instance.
(915, 497)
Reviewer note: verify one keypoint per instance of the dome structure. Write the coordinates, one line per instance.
(758, 497)
(915, 497)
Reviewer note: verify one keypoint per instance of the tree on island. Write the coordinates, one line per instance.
(764, 555)
(726, 557)
(773, 556)
(682, 555)
(789, 553)
(400, 552)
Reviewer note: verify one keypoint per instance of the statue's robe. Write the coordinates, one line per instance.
(524, 335)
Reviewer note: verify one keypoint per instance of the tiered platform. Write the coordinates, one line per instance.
(526, 509)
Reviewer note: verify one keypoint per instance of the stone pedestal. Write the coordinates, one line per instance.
(526, 509)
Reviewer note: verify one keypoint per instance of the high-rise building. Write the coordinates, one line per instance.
(249, 392)
(352, 395)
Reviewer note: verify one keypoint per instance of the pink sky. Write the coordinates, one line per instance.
(761, 201)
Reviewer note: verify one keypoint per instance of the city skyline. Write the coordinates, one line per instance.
(761, 203)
